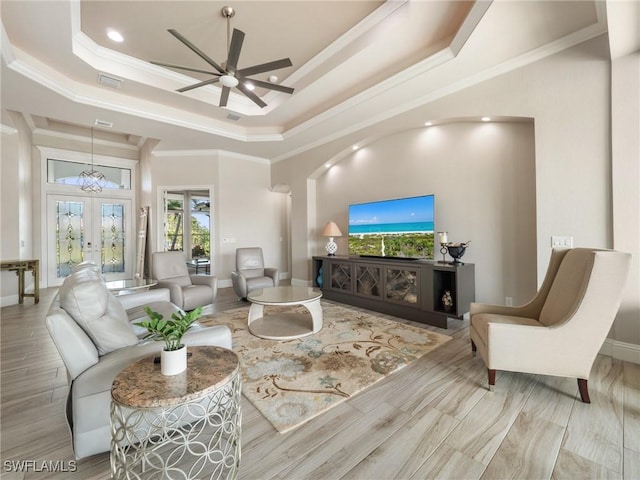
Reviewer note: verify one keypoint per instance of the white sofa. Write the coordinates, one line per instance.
(93, 332)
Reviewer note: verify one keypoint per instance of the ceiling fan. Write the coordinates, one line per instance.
(228, 74)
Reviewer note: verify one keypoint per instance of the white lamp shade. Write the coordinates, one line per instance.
(331, 230)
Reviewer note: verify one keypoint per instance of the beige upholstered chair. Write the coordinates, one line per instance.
(561, 330)
(250, 273)
(187, 291)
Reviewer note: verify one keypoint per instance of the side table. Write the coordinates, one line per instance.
(122, 287)
(183, 426)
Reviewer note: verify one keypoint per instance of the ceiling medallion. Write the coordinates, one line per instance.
(228, 73)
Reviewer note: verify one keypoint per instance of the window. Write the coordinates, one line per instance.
(68, 173)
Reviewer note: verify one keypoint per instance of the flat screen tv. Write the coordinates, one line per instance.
(399, 228)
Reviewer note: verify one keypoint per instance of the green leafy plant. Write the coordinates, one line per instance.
(171, 331)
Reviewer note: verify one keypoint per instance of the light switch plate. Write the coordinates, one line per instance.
(561, 242)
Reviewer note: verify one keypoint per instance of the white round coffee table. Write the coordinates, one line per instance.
(284, 325)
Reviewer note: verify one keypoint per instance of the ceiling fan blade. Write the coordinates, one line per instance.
(196, 85)
(189, 69)
(234, 50)
(196, 50)
(265, 67)
(224, 96)
(270, 86)
(254, 98)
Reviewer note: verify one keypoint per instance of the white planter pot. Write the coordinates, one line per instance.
(173, 362)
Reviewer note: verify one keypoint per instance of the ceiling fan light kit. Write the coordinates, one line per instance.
(228, 74)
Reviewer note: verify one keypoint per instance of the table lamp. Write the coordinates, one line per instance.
(331, 230)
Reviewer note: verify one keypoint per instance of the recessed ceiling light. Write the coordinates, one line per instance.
(328, 165)
(354, 148)
(486, 119)
(250, 86)
(115, 35)
(273, 78)
(428, 124)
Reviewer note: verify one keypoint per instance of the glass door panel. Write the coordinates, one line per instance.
(69, 236)
(113, 234)
(89, 229)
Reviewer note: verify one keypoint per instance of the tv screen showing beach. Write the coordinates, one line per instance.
(401, 228)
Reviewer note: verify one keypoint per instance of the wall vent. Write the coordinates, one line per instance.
(234, 116)
(109, 81)
(103, 123)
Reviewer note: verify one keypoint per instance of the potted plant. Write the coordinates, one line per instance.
(173, 357)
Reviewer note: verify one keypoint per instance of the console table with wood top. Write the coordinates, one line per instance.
(21, 266)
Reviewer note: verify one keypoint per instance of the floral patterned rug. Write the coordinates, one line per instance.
(292, 381)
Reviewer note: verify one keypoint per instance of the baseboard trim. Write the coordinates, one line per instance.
(627, 352)
(9, 300)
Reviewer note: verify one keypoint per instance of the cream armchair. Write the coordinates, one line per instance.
(561, 330)
(250, 273)
(187, 291)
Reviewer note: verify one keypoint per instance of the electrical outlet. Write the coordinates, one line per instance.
(561, 242)
(508, 301)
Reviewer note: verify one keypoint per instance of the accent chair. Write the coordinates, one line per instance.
(560, 331)
(250, 273)
(187, 291)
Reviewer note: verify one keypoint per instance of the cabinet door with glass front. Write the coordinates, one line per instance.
(340, 276)
(402, 286)
(368, 280)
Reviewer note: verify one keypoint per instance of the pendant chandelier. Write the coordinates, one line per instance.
(92, 180)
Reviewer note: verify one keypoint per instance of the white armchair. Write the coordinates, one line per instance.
(187, 291)
(250, 273)
(560, 331)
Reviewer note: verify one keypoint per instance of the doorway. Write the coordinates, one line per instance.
(98, 229)
(187, 225)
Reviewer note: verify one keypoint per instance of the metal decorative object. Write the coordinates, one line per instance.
(93, 181)
(456, 250)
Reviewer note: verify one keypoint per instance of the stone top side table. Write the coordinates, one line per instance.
(179, 426)
(141, 384)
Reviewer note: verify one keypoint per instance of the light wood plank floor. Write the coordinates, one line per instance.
(433, 419)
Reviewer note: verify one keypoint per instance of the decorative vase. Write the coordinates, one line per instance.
(173, 362)
(319, 279)
(447, 301)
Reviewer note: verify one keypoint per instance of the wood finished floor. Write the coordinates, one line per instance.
(433, 419)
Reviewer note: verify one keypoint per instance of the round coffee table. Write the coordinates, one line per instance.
(284, 325)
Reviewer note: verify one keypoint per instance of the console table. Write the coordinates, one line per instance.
(411, 289)
(21, 266)
(177, 426)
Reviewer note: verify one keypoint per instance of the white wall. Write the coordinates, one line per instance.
(245, 212)
(568, 95)
(16, 204)
(481, 175)
(625, 131)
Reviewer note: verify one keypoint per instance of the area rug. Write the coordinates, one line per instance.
(292, 381)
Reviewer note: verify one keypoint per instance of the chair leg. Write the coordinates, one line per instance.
(584, 390)
(474, 349)
(492, 378)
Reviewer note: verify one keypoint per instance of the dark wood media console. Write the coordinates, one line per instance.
(411, 289)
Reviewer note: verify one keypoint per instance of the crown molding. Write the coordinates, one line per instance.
(544, 51)
(84, 139)
(8, 130)
(210, 153)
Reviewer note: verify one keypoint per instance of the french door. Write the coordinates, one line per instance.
(98, 229)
